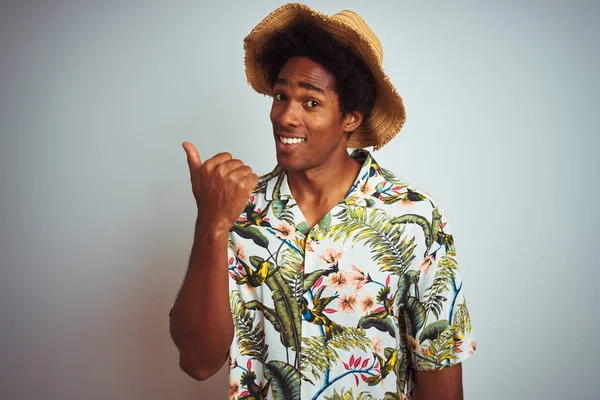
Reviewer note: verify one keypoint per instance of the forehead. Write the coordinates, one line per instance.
(301, 69)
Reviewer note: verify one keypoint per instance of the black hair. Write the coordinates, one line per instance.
(354, 84)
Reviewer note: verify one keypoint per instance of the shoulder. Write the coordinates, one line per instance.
(399, 197)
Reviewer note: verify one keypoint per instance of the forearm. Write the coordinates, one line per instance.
(201, 321)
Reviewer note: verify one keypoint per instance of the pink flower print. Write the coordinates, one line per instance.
(377, 344)
(426, 264)
(337, 280)
(364, 189)
(347, 302)
(331, 256)
(240, 251)
(234, 387)
(414, 344)
(472, 346)
(357, 278)
(367, 303)
(285, 231)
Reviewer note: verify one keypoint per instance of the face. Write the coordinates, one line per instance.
(308, 126)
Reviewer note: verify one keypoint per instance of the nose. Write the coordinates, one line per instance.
(289, 114)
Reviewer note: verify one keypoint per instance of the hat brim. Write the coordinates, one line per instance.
(388, 114)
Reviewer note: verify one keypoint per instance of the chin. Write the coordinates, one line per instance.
(291, 163)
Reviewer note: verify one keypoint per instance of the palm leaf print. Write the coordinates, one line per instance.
(422, 222)
(286, 308)
(440, 351)
(285, 380)
(291, 267)
(250, 337)
(348, 395)
(272, 317)
(389, 247)
(415, 313)
(319, 354)
(446, 271)
(462, 320)
(389, 176)
(285, 318)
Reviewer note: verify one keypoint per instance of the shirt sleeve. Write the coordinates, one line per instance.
(438, 329)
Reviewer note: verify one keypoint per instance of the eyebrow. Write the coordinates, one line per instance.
(302, 84)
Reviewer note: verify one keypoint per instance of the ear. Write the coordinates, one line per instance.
(352, 121)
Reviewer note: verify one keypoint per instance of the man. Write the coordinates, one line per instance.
(328, 277)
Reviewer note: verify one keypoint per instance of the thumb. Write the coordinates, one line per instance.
(193, 158)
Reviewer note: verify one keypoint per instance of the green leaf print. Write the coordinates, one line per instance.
(419, 220)
(303, 227)
(277, 189)
(433, 331)
(325, 222)
(319, 354)
(311, 278)
(416, 315)
(446, 271)
(381, 186)
(277, 207)
(390, 177)
(404, 283)
(348, 395)
(250, 337)
(382, 324)
(402, 370)
(461, 319)
(286, 308)
(272, 317)
(291, 267)
(285, 380)
(440, 351)
(389, 246)
(253, 233)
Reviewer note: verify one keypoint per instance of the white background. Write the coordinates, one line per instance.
(96, 215)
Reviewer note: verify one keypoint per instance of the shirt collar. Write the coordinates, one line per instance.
(278, 188)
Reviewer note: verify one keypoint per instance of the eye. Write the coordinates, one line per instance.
(312, 103)
(279, 96)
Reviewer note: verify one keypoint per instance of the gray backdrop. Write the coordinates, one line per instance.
(96, 214)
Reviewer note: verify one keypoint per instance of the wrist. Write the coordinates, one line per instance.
(212, 228)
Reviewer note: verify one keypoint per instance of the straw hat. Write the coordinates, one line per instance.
(388, 114)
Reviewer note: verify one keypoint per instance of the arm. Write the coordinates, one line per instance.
(201, 323)
(445, 384)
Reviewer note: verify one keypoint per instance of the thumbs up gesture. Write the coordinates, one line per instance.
(221, 186)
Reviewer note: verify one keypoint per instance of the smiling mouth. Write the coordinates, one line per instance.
(286, 140)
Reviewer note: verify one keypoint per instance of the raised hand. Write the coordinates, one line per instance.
(221, 186)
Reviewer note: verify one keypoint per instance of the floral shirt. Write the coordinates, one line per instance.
(350, 308)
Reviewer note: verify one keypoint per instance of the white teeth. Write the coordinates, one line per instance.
(290, 140)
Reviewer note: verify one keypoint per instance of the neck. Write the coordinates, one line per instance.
(327, 183)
